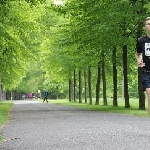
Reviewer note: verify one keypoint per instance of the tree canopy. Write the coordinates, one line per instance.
(42, 43)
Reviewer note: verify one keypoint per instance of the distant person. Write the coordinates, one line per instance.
(30, 95)
(33, 95)
(45, 96)
(23, 96)
(39, 94)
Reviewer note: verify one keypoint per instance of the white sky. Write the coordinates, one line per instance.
(58, 2)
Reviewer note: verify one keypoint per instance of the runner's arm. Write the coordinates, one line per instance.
(138, 57)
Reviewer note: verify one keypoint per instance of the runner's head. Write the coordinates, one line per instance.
(147, 25)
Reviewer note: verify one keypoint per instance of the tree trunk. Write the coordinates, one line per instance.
(125, 75)
(8, 95)
(98, 84)
(16, 95)
(13, 95)
(74, 84)
(142, 12)
(70, 89)
(80, 86)
(140, 90)
(140, 86)
(115, 102)
(20, 95)
(1, 92)
(57, 93)
(85, 86)
(89, 84)
(104, 80)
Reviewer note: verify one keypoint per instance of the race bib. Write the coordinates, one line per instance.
(147, 49)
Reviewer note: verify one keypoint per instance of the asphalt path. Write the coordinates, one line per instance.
(41, 126)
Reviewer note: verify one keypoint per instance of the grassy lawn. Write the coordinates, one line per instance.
(5, 106)
(133, 110)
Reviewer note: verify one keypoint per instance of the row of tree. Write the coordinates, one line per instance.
(88, 45)
(97, 41)
(24, 26)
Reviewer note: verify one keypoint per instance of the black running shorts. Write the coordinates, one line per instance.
(145, 80)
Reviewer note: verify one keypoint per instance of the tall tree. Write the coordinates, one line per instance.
(80, 86)
(104, 79)
(89, 85)
(85, 86)
(125, 75)
(74, 84)
(115, 102)
(98, 83)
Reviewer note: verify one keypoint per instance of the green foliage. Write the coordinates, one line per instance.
(19, 41)
(76, 38)
(41, 44)
(33, 81)
(35, 2)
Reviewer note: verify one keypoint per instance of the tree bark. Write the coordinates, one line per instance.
(80, 86)
(74, 85)
(1, 92)
(140, 90)
(98, 84)
(8, 95)
(125, 75)
(140, 86)
(115, 102)
(85, 86)
(89, 84)
(141, 11)
(70, 90)
(104, 80)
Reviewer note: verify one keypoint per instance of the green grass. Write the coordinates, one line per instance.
(133, 110)
(5, 106)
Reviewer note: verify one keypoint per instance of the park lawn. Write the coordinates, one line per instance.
(5, 106)
(133, 110)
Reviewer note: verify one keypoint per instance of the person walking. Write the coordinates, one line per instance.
(143, 59)
(30, 95)
(45, 96)
(39, 94)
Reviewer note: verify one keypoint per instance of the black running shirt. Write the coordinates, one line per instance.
(143, 46)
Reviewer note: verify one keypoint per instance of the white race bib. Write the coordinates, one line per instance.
(147, 49)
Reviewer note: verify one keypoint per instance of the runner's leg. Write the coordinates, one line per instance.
(148, 96)
(44, 99)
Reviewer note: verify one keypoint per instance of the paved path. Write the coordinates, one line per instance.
(42, 126)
